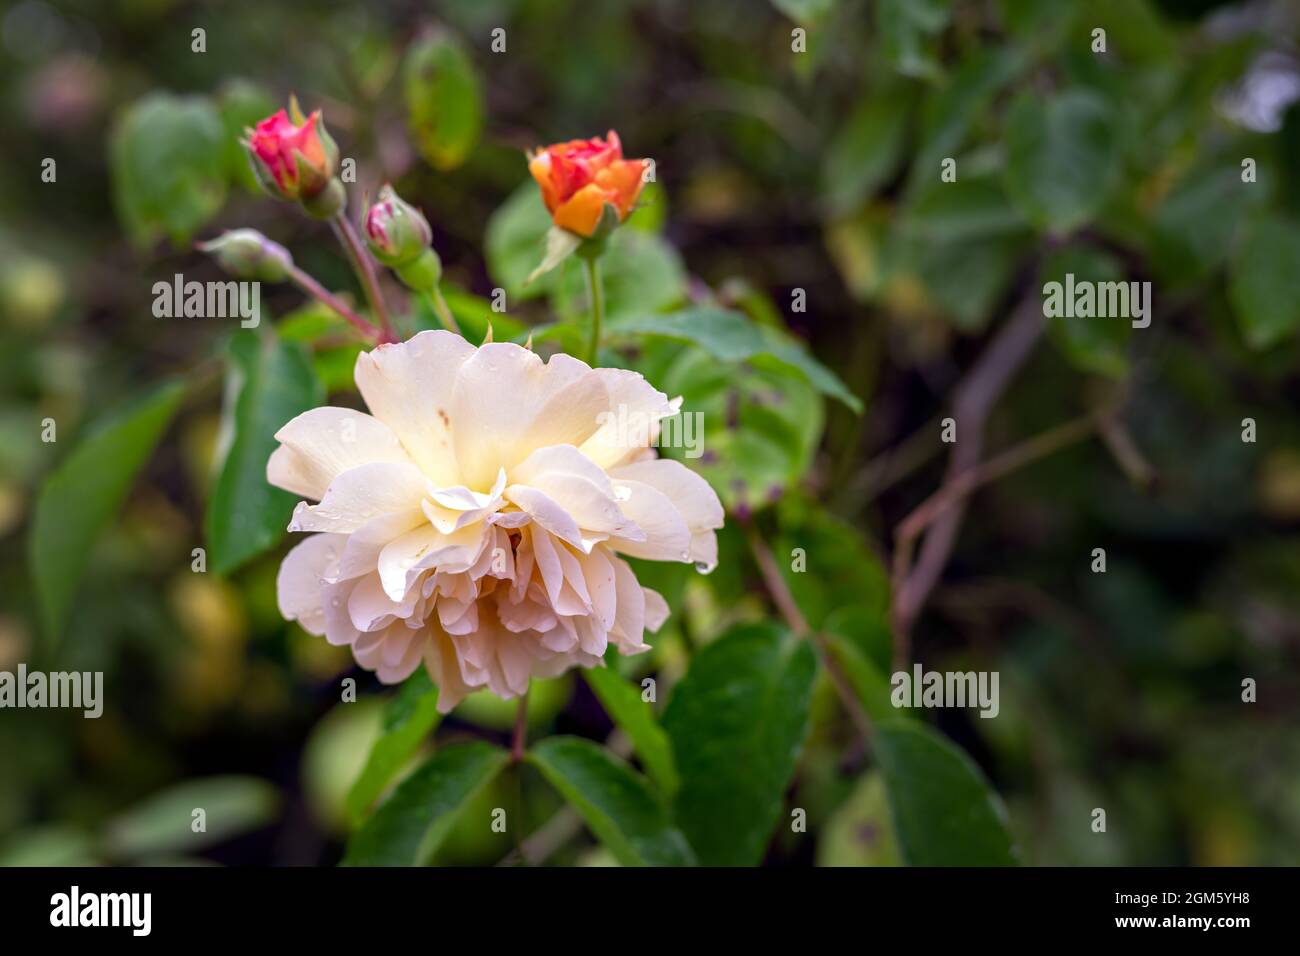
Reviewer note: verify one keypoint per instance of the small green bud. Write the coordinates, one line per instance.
(247, 254)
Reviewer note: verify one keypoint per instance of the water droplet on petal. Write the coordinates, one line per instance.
(704, 567)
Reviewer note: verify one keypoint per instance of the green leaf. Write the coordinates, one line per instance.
(804, 11)
(1062, 157)
(970, 208)
(54, 844)
(738, 721)
(241, 104)
(407, 828)
(781, 349)
(614, 800)
(623, 702)
(868, 680)
(968, 279)
(761, 427)
(514, 242)
(731, 336)
(168, 167)
(859, 247)
(408, 720)
(944, 812)
(560, 244)
(867, 628)
(910, 30)
(860, 832)
(83, 493)
(950, 112)
(164, 823)
(268, 382)
(444, 101)
(1091, 343)
(1264, 282)
(334, 755)
(865, 150)
(723, 333)
(1193, 230)
(841, 569)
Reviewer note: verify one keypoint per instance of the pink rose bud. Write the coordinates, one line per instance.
(293, 156)
(399, 236)
(396, 230)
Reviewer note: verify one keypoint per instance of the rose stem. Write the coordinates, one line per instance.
(351, 243)
(519, 739)
(780, 594)
(597, 308)
(313, 288)
(443, 311)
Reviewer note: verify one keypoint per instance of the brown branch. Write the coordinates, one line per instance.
(1126, 453)
(891, 466)
(785, 603)
(975, 398)
(951, 496)
(953, 493)
(775, 582)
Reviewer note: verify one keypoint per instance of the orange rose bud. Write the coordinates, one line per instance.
(583, 176)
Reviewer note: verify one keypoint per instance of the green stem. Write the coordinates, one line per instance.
(597, 308)
(519, 739)
(443, 311)
(365, 270)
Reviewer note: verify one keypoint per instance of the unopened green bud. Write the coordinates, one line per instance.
(247, 254)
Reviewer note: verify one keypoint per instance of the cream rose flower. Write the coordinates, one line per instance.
(474, 521)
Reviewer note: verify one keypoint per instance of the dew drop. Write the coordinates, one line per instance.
(704, 567)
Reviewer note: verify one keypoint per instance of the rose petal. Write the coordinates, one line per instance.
(408, 386)
(298, 585)
(360, 495)
(319, 445)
